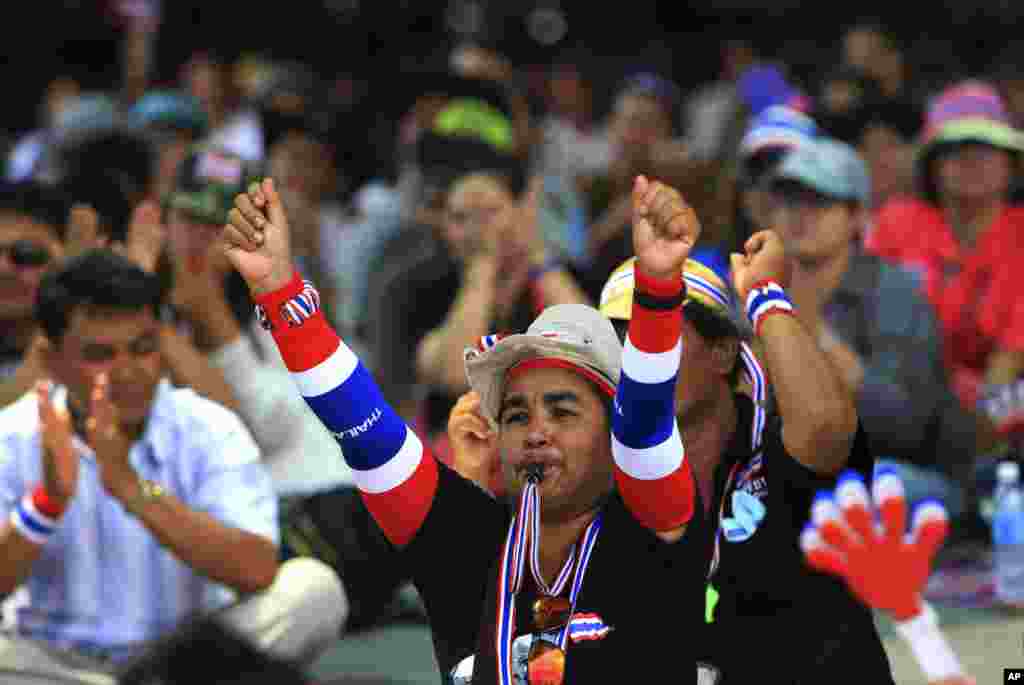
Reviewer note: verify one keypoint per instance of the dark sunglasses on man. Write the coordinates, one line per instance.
(26, 254)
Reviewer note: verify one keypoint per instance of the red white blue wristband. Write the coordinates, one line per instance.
(29, 519)
(289, 306)
(763, 300)
(929, 646)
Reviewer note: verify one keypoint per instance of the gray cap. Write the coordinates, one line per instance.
(828, 166)
(572, 333)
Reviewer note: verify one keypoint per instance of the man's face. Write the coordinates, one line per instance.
(813, 227)
(123, 344)
(890, 160)
(194, 242)
(864, 48)
(637, 123)
(974, 172)
(301, 165)
(27, 248)
(554, 417)
(474, 205)
(568, 91)
(171, 152)
(703, 371)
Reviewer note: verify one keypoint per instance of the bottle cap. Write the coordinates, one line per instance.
(1008, 471)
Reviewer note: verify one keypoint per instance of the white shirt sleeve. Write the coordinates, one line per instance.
(301, 455)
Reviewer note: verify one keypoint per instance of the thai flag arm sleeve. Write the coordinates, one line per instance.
(395, 473)
(651, 470)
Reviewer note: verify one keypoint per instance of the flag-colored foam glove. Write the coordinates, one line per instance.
(862, 538)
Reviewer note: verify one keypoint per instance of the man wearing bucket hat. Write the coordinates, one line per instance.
(963, 236)
(602, 500)
(871, 320)
(758, 474)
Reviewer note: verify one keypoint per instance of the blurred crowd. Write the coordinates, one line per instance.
(429, 229)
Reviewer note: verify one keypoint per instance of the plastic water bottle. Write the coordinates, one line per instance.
(1008, 535)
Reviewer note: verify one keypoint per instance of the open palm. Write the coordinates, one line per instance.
(60, 458)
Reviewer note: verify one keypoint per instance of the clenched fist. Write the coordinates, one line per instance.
(256, 239)
(665, 229)
(763, 259)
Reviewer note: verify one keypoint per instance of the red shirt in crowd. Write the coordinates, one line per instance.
(974, 291)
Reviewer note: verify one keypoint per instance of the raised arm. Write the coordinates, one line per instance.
(394, 471)
(819, 414)
(651, 470)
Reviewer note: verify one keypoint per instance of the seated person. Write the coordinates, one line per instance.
(961, 235)
(40, 228)
(872, 321)
(500, 275)
(212, 310)
(130, 506)
(33, 224)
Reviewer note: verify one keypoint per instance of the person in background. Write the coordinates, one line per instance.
(27, 153)
(29, 208)
(872, 321)
(1006, 74)
(112, 172)
(33, 228)
(886, 143)
(301, 156)
(769, 136)
(212, 309)
(845, 96)
(127, 499)
(643, 130)
(710, 110)
(410, 263)
(501, 275)
(232, 125)
(961, 236)
(872, 48)
(862, 539)
(571, 142)
(83, 118)
(175, 121)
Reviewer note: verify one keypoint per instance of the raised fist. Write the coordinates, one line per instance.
(665, 229)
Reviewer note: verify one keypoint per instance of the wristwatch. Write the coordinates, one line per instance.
(148, 491)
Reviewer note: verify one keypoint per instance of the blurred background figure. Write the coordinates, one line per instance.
(175, 121)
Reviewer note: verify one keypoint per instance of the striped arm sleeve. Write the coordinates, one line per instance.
(394, 471)
(651, 470)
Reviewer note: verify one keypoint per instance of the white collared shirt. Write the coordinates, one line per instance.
(103, 582)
